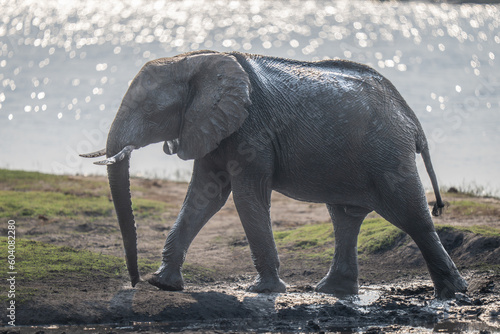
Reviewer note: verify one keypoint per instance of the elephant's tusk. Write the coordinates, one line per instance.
(117, 157)
(96, 154)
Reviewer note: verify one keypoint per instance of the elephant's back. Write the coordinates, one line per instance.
(337, 111)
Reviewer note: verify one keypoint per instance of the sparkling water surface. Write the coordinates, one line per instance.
(64, 67)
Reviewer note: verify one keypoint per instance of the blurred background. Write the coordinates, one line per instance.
(64, 67)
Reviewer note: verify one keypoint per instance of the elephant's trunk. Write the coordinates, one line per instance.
(124, 136)
(118, 175)
(119, 182)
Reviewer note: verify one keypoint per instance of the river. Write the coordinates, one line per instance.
(64, 67)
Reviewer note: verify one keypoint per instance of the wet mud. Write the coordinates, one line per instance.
(399, 307)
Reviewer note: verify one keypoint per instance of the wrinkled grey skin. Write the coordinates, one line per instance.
(333, 132)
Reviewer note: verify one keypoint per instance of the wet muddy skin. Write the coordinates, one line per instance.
(395, 308)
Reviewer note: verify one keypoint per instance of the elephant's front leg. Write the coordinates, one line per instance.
(252, 200)
(206, 195)
(342, 278)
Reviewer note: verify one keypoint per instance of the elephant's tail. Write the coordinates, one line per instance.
(439, 205)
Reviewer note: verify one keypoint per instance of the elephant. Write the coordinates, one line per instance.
(331, 131)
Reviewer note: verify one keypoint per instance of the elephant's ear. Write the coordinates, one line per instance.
(219, 91)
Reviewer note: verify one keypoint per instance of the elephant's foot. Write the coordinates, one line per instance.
(165, 280)
(447, 288)
(338, 287)
(268, 285)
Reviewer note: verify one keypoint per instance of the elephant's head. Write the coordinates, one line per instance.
(191, 102)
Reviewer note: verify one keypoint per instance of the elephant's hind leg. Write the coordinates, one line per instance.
(406, 207)
(342, 278)
(252, 199)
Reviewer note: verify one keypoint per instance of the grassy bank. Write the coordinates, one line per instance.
(38, 262)
(44, 196)
(83, 205)
(40, 265)
(316, 241)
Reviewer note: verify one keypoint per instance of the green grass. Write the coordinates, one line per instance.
(21, 180)
(487, 231)
(317, 240)
(32, 204)
(32, 194)
(306, 237)
(40, 263)
(469, 208)
(313, 241)
(34, 181)
(377, 235)
(17, 204)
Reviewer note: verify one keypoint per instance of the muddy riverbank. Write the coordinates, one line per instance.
(78, 295)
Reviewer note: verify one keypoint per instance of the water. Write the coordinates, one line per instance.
(64, 67)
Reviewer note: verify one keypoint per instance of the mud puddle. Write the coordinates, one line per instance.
(379, 308)
(291, 327)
